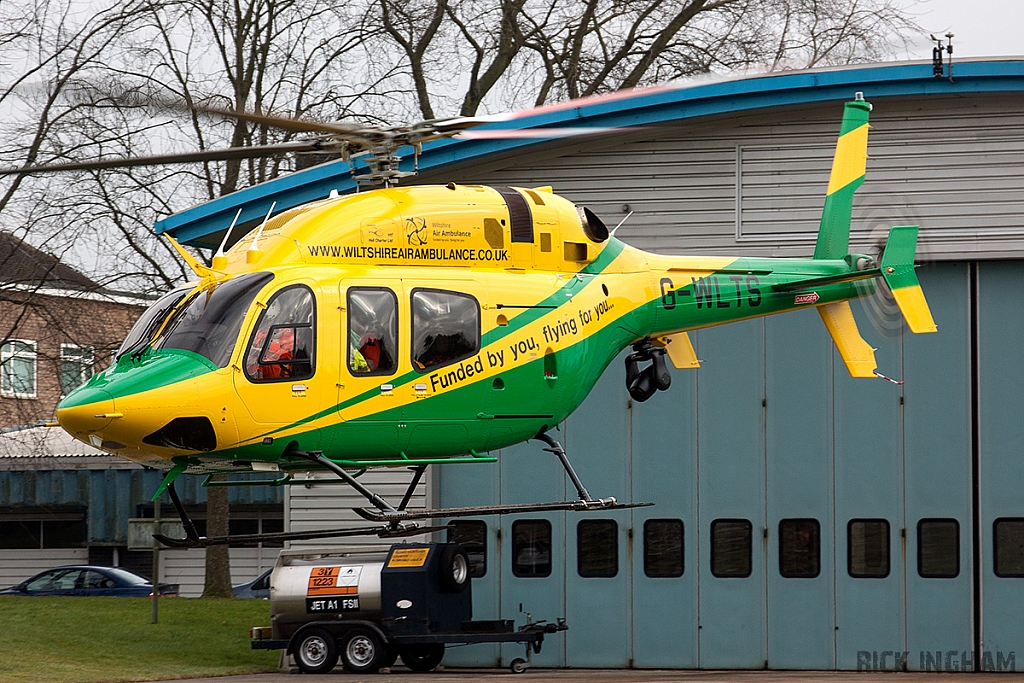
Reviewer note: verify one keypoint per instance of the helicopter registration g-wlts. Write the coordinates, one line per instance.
(410, 326)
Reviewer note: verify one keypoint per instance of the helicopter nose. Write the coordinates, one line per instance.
(82, 419)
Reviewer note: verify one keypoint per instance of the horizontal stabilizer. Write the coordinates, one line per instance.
(810, 283)
(680, 352)
(857, 354)
(898, 272)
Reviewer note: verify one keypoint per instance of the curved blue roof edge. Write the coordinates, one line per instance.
(672, 102)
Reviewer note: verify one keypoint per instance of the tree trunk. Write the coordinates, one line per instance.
(218, 566)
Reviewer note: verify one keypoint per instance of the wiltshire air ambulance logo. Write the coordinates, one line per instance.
(416, 232)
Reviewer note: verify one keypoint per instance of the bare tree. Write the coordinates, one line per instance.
(522, 52)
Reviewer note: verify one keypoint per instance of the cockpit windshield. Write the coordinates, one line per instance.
(149, 322)
(209, 323)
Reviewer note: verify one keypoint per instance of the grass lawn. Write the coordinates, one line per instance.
(87, 640)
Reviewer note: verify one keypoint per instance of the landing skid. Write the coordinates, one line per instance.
(396, 522)
(386, 531)
(386, 513)
(477, 510)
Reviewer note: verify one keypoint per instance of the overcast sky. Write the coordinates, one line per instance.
(982, 28)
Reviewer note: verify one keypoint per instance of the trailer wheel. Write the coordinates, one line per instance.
(316, 652)
(422, 658)
(453, 569)
(517, 665)
(362, 651)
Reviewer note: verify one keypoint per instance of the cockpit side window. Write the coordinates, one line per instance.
(445, 328)
(372, 331)
(281, 346)
(149, 322)
(209, 323)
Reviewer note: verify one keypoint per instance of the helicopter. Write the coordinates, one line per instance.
(409, 326)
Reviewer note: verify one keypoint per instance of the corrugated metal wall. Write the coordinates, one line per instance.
(112, 496)
(108, 499)
(323, 503)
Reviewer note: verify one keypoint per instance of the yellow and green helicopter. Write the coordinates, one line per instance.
(419, 325)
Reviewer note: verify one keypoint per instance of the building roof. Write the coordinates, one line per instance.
(28, 271)
(51, 448)
(21, 263)
(203, 225)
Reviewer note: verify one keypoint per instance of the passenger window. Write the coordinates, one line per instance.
(731, 548)
(445, 328)
(938, 548)
(372, 331)
(799, 548)
(47, 581)
(472, 536)
(663, 548)
(95, 580)
(531, 548)
(597, 548)
(1008, 544)
(867, 548)
(281, 347)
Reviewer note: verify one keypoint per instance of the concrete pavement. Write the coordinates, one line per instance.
(401, 675)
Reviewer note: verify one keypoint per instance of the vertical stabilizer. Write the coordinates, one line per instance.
(848, 167)
(898, 273)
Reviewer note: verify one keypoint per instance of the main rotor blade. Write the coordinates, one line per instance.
(185, 158)
(350, 131)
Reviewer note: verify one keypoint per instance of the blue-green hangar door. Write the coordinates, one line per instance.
(802, 520)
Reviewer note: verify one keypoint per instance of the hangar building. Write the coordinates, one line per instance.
(802, 519)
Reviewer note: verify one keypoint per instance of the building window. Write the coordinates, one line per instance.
(281, 348)
(372, 331)
(731, 548)
(21, 535)
(472, 536)
(1008, 544)
(867, 548)
(18, 361)
(938, 548)
(663, 548)
(75, 366)
(256, 525)
(34, 534)
(799, 548)
(531, 548)
(445, 328)
(597, 548)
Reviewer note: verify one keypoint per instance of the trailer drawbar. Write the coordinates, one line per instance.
(371, 608)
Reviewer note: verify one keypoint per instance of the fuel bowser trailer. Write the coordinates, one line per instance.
(370, 608)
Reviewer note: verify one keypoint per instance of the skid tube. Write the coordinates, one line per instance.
(386, 513)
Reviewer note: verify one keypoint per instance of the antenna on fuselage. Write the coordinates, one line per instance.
(612, 233)
(253, 253)
(220, 261)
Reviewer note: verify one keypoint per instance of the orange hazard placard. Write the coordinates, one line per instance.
(333, 581)
(408, 557)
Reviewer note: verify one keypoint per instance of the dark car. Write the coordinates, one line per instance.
(257, 588)
(88, 580)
